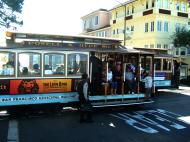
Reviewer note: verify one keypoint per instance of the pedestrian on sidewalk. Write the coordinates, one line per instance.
(85, 105)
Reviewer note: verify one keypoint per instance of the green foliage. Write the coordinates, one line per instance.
(181, 38)
(10, 11)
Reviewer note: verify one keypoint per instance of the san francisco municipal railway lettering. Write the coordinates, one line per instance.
(33, 98)
(55, 84)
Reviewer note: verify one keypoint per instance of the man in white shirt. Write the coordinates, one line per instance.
(148, 85)
(129, 80)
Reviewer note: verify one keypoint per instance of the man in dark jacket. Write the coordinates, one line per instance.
(85, 105)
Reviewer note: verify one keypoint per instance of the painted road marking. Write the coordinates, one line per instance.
(161, 119)
(146, 120)
(135, 124)
(13, 131)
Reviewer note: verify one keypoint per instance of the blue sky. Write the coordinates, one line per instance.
(59, 16)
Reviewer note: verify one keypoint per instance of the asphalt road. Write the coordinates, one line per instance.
(166, 120)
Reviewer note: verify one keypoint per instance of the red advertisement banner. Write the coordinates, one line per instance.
(35, 86)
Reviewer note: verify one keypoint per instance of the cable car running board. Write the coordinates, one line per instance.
(95, 105)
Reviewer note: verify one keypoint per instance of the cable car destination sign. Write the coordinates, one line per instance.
(60, 44)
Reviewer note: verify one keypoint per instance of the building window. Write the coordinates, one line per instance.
(146, 27)
(106, 33)
(158, 45)
(99, 34)
(116, 14)
(152, 27)
(132, 28)
(133, 9)
(84, 24)
(103, 34)
(145, 46)
(165, 26)
(183, 7)
(159, 3)
(177, 6)
(165, 46)
(146, 4)
(127, 10)
(152, 46)
(166, 4)
(113, 32)
(153, 3)
(117, 31)
(96, 20)
(177, 27)
(90, 23)
(159, 25)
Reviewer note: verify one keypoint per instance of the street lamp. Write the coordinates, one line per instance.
(124, 31)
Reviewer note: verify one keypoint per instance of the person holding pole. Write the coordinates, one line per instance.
(148, 85)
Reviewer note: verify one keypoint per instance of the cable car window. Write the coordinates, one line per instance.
(166, 64)
(54, 64)
(158, 64)
(77, 64)
(7, 64)
(29, 64)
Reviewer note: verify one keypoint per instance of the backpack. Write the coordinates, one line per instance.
(80, 90)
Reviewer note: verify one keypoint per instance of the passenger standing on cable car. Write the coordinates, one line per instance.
(129, 80)
(96, 75)
(117, 79)
(148, 85)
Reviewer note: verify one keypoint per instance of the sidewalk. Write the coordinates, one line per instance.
(183, 87)
(182, 90)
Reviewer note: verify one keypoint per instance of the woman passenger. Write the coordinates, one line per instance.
(117, 79)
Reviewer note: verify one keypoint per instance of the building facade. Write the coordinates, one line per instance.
(150, 25)
(97, 23)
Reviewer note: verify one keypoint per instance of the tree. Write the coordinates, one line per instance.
(10, 11)
(181, 38)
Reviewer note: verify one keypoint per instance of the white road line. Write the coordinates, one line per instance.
(170, 123)
(13, 131)
(145, 119)
(135, 123)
